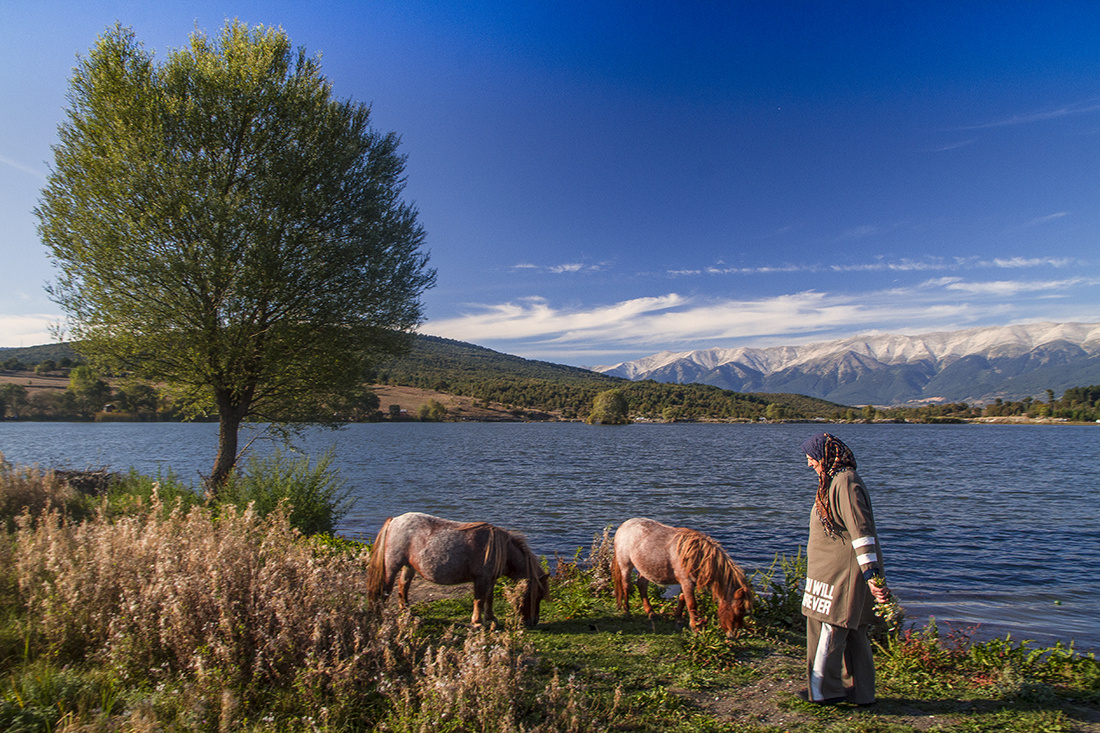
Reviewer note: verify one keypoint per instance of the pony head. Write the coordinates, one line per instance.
(523, 565)
(733, 606)
(538, 590)
(721, 575)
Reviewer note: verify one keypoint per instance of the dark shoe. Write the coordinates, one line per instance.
(805, 696)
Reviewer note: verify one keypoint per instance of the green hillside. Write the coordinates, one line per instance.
(459, 368)
(37, 354)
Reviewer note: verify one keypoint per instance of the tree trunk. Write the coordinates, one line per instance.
(229, 422)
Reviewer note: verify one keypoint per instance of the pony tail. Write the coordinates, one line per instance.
(496, 551)
(376, 567)
(618, 577)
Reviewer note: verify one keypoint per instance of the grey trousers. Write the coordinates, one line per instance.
(839, 663)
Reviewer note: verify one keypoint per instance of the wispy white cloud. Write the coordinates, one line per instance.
(718, 270)
(1019, 262)
(534, 318)
(903, 265)
(23, 167)
(1011, 288)
(930, 264)
(534, 327)
(1076, 108)
(953, 146)
(859, 232)
(1051, 217)
(568, 267)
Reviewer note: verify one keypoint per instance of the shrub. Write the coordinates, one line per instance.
(234, 603)
(135, 493)
(601, 559)
(32, 490)
(609, 408)
(482, 684)
(928, 663)
(779, 592)
(315, 495)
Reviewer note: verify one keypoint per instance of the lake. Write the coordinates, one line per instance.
(990, 524)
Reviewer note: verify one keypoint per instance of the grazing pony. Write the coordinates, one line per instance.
(668, 555)
(448, 553)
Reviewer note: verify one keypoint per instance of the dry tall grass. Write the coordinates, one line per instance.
(32, 490)
(483, 684)
(245, 620)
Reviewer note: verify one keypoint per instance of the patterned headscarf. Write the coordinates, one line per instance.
(833, 456)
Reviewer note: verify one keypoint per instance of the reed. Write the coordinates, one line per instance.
(31, 490)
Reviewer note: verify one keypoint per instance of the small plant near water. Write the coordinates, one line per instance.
(779, 592)
(927, 663)
(315, 495)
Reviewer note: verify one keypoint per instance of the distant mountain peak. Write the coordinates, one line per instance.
(971, 365)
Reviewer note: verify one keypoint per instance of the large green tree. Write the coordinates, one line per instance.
(222, 224)
(610, 408)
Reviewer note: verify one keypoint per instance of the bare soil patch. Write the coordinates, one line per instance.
(33, 381)
(411, 399)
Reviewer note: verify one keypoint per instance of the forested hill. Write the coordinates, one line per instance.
(539, 388)
(460, 368)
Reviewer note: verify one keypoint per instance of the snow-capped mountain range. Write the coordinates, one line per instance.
(976, 365)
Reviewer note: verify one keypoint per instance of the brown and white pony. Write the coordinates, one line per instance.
(448, 553)
(668, 555)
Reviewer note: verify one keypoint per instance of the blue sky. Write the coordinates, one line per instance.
(600, 181)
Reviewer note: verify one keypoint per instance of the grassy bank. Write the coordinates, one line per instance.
(146, 609)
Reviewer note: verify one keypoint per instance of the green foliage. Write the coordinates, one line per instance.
(927, 663)
(574, 596)
(39, 695)
(13, 398)
(432, 411)
(315, 496)
(89, 392)
(136, 492)
(222, 224)
(779, 592)
(1026, 721)
(1080, 404)
(609, 408)
(709, 648)
(135, 397)
(24, 356)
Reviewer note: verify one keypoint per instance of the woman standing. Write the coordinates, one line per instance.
(843, 558)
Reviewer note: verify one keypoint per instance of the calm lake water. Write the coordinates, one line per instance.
(990, 524)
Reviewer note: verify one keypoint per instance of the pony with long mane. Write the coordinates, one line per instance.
(668, 555)
(448, 553)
